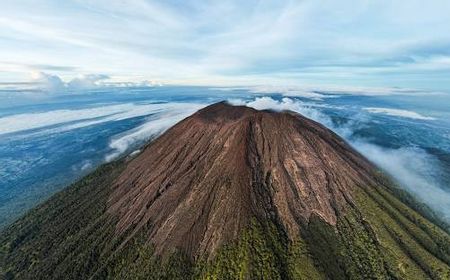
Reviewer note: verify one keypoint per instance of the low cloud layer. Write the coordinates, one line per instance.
(414, 169)
(154, 126)
(398, 113)
(323, 92)
(63, 120)
(291, 91)
(29, 121)
(286, 103)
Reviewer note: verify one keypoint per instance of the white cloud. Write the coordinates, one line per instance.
(414, 169)
(87, 81)
(72, 119)
(21, 122)
(320, 42)
(48, 81)
(291, 91)
(87, 164)
(322, 92)
(54, 83)
(286, 103)
(144, 83)
(398, 113)
(264, 103)
(154, 126)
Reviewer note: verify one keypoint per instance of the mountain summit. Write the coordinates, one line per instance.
(231, 193)
(202, 182)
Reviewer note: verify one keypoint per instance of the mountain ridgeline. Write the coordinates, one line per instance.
(231, 193)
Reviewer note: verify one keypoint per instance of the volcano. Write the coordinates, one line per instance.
(232, 193)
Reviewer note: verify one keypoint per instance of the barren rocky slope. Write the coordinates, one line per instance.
(231, 193)
(202, 182)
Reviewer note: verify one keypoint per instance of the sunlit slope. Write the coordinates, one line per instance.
(117, 223)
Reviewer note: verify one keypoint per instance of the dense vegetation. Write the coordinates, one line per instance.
(72, 237)
(62, 237)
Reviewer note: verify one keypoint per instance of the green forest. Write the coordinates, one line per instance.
(71, 236)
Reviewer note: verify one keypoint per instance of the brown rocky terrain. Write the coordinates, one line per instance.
(232, 193)
(199, 184)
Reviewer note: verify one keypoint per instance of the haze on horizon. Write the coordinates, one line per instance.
(341, 43)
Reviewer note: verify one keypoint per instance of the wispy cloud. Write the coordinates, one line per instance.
(363, 43)
(322, 92)
(152, 127)
(414, 169)
(76, 118)
(398, 113)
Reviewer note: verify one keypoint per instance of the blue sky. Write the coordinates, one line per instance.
(379, 43)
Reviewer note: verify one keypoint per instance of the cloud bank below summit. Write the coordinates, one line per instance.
(321, 92)
(413, 167)
(154, 126)
(398, 113)
(68, 119)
